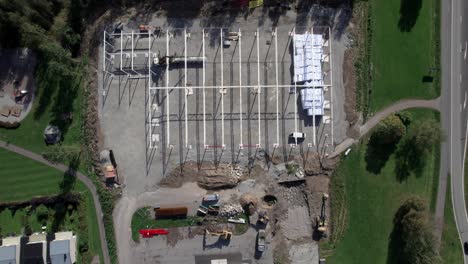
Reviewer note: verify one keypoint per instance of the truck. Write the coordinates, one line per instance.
(261, 237)
(109, 165)
(210, 199)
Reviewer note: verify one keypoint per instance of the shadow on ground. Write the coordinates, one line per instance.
(377, 154)
(409, 12)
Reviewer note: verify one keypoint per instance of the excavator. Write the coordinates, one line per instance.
(226, 235)
(322, 223)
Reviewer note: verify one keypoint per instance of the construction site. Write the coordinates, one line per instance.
(232, 126)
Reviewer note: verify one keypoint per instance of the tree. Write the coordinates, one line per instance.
(383, 141)
(405, 117)
(389, 131)
(425, 135)
(42, 213)
(412, 237)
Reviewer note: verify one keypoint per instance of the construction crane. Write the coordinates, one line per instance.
(226, 235)
(322, 223)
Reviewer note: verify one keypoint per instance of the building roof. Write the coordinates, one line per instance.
(33, 253)
(10, 244)
(8, 255)
(60, 252)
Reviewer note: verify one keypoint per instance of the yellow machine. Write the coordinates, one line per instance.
(223, 234)
(322, 223)
(263, 217)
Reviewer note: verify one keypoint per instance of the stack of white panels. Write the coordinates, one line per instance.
(312, 100)
(308, 58)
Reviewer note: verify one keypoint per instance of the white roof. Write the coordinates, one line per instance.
(8, 255)
(63, 248)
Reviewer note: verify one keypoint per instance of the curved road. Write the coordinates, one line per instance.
(376, 118)
(79, 176)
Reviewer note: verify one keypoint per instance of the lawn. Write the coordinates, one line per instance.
(372, 200)
(51, 101)
(22, 179)
(402, 54)
(142, 219)
(450, 248)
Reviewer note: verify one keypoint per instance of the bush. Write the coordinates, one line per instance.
(83, 245)
(389, 131)
(405, 117)
(42, 213)
(61, 154)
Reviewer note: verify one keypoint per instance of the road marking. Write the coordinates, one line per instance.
(464, 102)
(466, 45)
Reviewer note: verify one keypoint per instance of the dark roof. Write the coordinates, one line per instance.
(32, 254)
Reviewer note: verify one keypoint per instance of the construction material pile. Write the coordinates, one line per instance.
(225, 176)
(230, 210)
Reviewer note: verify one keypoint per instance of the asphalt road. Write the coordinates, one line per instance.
(453, 110)
(84, 179)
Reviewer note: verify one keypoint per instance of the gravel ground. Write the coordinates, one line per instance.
(122, 116)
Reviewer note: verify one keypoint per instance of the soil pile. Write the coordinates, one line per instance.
(209, 177)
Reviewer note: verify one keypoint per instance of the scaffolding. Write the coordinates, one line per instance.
(127, 67)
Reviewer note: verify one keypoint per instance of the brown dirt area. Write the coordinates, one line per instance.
(315, 187)
(174, 236)
(349, 82)
(208, 177)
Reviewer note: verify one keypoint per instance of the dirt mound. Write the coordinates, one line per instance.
(312, 164)
(315, 165)
(209, 177)
(249, 201)
(178, 176)
(215, 180)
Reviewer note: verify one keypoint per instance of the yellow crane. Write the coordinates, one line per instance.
(223, 234)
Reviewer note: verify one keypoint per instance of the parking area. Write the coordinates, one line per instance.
(201, 249)
(209, 99)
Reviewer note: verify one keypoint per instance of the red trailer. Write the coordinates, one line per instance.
(148, 233)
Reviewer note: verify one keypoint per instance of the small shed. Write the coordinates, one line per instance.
(52, 135)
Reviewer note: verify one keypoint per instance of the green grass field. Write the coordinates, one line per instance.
(400, 59)
(50, 101)
(450, 248)
(372, 200)
(22, 179)
(142, 219)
